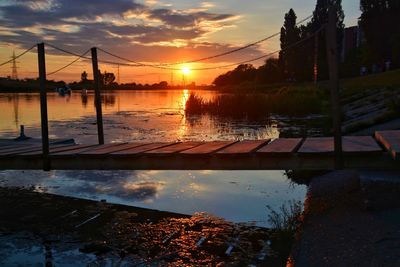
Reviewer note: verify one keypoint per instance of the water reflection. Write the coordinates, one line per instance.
(236, 195)
(128, 115)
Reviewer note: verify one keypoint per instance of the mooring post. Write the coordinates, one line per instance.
(332, 53)
(97, 97)
(43, 107)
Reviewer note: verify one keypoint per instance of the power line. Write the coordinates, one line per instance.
(267, 55)
(237, 49)
(163, 65)
(69, 64)
(137, 64)
(16, 57)
(228, 65)
(87, 58)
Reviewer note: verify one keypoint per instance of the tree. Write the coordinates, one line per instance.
(242, 73)
(290, 34)
(108, 78)
(380, 23)
(318, 22)
(84, 76)
(270, 72)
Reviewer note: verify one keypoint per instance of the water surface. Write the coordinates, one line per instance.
(157, 115)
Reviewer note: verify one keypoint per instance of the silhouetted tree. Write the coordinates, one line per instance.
(290, 34)
(380, 22)
(242, 73)
(318, 21)
(108, 78)
(84, 77)
(270, 72)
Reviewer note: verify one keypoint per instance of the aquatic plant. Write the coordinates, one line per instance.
(288, 101)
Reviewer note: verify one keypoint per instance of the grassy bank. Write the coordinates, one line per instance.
(390, 79)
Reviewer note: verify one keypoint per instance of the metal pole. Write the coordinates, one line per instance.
(97, 100)
(43, 107)
(332, 53)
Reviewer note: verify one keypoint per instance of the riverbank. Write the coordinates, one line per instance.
(44, 228)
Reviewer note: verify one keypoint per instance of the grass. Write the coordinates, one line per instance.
(288, 100)
(284, 224)
(359, 85)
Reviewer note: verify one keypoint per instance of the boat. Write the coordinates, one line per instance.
(65, 90)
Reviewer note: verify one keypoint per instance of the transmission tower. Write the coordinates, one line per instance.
(118, 81)
(14, 73)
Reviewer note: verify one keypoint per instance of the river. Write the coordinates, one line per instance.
(151, 115)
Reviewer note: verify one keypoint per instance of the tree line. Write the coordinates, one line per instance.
(380, 28)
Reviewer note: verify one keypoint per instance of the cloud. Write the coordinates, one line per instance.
(182, 19)
(134, 30)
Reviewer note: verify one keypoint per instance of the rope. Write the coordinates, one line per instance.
(69, 64)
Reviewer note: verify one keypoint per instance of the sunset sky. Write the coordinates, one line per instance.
(149, 31)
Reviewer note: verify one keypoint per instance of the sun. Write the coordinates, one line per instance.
(185, 70)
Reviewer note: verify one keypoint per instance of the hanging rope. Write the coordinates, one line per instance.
(69, 64)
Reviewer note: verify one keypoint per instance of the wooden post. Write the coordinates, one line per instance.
(332, 53)
(316, 57)
(43, 107)
(97, 100)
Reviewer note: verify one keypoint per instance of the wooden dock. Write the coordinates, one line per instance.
(380, 151)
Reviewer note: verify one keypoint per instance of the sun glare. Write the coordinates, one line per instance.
(186, 70)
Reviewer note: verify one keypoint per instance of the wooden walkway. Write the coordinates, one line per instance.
(316, 153)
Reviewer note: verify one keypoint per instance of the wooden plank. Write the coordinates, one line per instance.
(7, 151)
(281, 146)
(313, 145)
(360, 144)
(208, 147)
(7, 146)
(351, 144)
(140, 149)
(109, 148)
(56, 149)
(11, 152)
(243, 147)
(390, 141)
(17, 146)
(174, 148)
(74, 150)
(31, 150)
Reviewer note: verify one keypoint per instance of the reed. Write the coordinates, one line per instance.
(290, 101)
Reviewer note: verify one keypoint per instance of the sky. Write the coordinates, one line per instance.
(152, 32)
